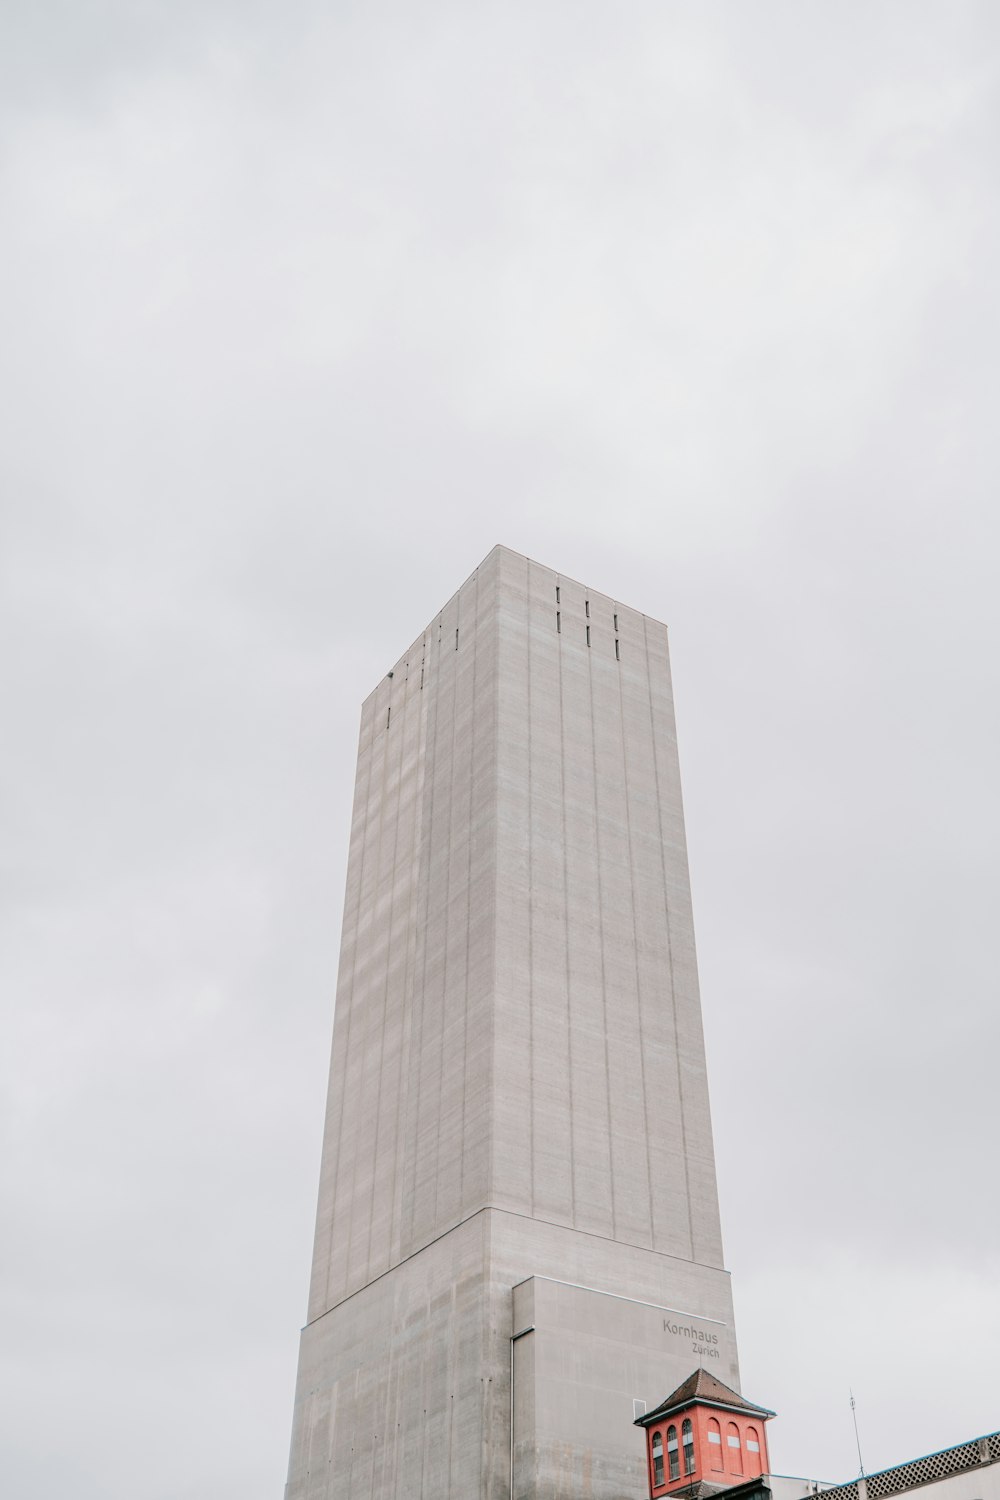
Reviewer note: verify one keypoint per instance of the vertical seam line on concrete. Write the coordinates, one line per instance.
(331, 1437)
(354, 1432)
(468, 898)
(406, 994)
(424, 1423)
(453, 1383)
(487, 1244)
(600, 929)
(565, 928)
(394, 1411)
(375, 1453)
(447, 927)
(670, 946)
(635, 959)
(381, 1454)
(402, 1102)
(443, 1012)
(408, 1230)
(350, 1006)
(402, 727)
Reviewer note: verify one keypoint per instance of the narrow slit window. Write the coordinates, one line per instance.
(388, 716)
(588, 635)
(558, 623)
(616, 622)
(618, 654)
(557, 593)
(586, 606)
(456, 637)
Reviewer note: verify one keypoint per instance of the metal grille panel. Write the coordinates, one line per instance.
(923, 1470)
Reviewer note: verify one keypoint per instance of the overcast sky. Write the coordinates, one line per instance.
(304, 307)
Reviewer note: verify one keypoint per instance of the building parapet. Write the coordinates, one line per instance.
(971, 1455)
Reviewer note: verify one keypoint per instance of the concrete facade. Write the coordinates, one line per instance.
(518, 1132)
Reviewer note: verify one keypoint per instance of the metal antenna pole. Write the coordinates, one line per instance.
(861, 1462)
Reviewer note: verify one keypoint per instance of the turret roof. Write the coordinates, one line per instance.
(706, 1388)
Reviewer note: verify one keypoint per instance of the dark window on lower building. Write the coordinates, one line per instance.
(657, 1459)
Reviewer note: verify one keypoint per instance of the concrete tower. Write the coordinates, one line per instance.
(518, 1234)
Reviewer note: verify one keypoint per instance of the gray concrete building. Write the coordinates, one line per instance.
(517, 1240)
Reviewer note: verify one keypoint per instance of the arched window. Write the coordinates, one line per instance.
(735, 1465)
(657, 1459)
(673, 1457)
(687, 1438)
(715, 1445)
(753, 1452)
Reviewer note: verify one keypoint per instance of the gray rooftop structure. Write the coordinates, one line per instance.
(966, 1471)
(517, 1242)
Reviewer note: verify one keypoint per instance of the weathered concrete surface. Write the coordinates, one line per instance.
(518, 1081)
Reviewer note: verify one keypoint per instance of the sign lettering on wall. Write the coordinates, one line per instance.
(704, 1345)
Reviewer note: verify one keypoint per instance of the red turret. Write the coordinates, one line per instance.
(704, 1438)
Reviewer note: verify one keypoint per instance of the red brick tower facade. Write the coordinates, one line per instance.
(704, 1438)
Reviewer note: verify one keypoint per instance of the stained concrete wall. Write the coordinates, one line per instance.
(518, 1081)
(404, 1387)
(601, 1117)
(407, 1138)
(588, 1358)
